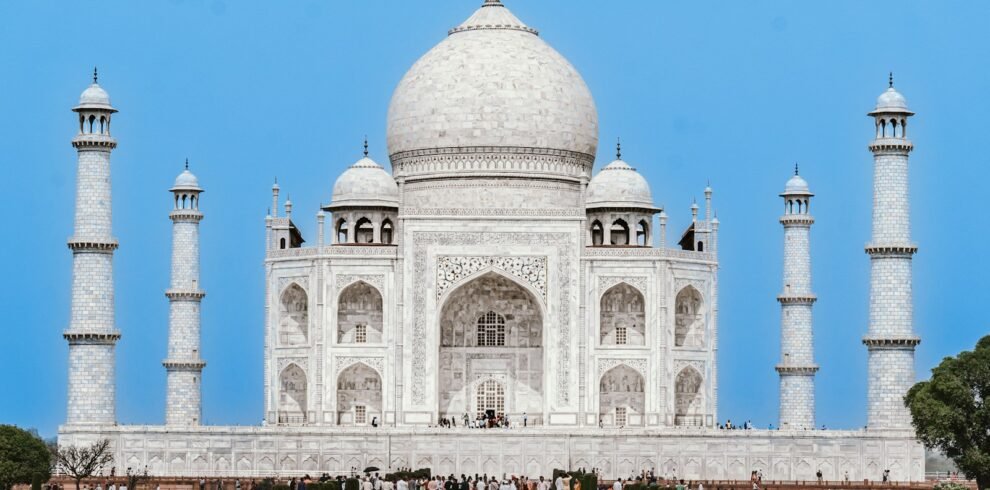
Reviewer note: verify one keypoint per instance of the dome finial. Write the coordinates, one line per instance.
(796, 169)
(618, 148)
(366, 145)
(187, 163)
(890, 80)
(95, 76)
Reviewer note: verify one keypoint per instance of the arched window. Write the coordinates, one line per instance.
(689, 319)
(597, 235)
(642, 232)
(359, 314)
(281, 242)
(293, 326)
(687, 400)
(701, 246)
(92, 120)
(359, 395)
(491, 330)
(622, 316)
(364, 231)
(387, 232)
(342, 231)
(490, 395)
(619, 233)
(292, 396)
(621, 395)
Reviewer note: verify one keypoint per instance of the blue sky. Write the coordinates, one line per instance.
(734, 92)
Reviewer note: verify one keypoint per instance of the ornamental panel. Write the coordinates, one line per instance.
(451, 269)
(607, 282)
(376, 280)
(604, 364)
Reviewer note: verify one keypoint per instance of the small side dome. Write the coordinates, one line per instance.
(186, 181)
(364, 184)
(797, 185)
(94, 97)
(619, 186)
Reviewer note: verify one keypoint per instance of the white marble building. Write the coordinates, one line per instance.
(491, 270)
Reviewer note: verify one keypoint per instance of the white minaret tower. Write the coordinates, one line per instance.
(797, 366)
(184, 367)
(891, 339)
(92, 332)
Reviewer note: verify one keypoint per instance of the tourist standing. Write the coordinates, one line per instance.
(617, 485)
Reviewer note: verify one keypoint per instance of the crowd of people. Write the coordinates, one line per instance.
(485, 421)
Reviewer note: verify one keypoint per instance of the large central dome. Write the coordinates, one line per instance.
(493, 85)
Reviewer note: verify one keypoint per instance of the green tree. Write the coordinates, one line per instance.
(950, 413)
(23, 457)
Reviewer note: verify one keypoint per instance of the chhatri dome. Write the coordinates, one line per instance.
(365, 183)
(891, 101)
(94, 97)
(492, 82)
(618, 185)
(796, 185)
(186, 181)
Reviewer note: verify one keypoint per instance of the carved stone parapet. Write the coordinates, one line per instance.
(808, 370)
(107, 338)
(183, 364)
(92, 245)
(495, 160)
(91, 141)
(891, 342)
(797, 299)
(892, 249)
(186, 215)
(185, 294)
(797, 219)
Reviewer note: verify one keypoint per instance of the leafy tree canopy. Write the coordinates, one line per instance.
(950, 413)
(23, 456)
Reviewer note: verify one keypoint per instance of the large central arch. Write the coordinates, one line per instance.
(491, 328)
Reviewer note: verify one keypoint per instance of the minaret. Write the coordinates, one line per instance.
(797, 366)
(184, 366)
(92, 332)
(891, 339)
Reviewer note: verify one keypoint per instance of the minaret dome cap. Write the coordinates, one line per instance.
(94, 98)
(796, 186)
(186, 181)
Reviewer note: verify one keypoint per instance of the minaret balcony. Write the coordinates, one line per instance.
(185, 294)
(94, 141)
(184, 364)
(92, 245)
(797, 299)
(186, 215)
(807, 370)
(891, 249)
(891, 144)
(91, 338)
(797, 219)
(895, 343)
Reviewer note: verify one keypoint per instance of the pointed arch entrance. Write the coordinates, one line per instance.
(491, 350)
(359, 395)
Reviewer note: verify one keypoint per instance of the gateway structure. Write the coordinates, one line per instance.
(493, 272)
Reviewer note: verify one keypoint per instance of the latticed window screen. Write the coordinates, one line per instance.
(621, 335)
(491, 396)
(361, 334)
(491, 329)
(620, 416)
(360, 414)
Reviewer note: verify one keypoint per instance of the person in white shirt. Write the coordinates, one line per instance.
(559, 483)
(401, 485)
(617, 485)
